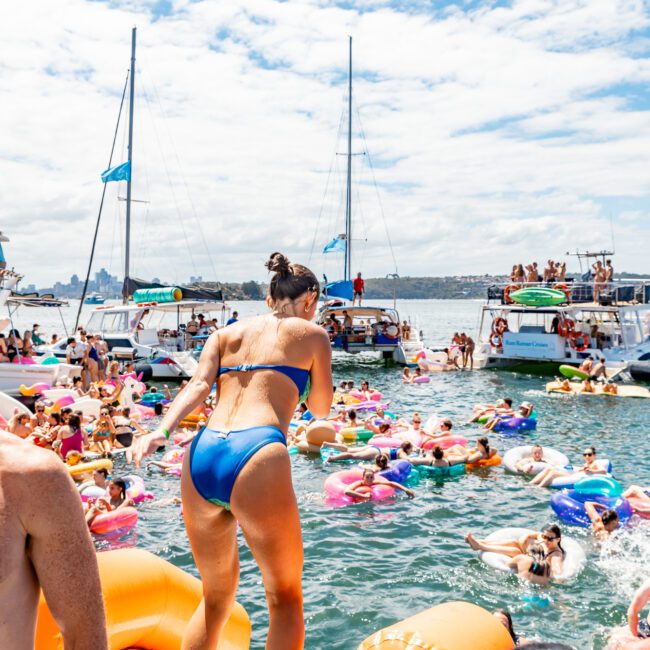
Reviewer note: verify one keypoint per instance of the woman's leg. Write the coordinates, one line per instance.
(265, 506)
(512, 548)
(212, 532)
(541, 476)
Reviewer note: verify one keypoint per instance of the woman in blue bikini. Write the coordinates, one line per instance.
(263, 367)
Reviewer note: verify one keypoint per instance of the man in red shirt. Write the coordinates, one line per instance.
(359, 287)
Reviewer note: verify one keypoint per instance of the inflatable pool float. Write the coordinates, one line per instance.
(336, 484)
(373, 395)
(88, 490)
(569, 482)
(385, 442)
(515, 424)
(429, 471)
(570, 507)
(33, 390)
(573, 562)
(444, 442)
(640, 507)
(135, 489)
(422, 379)
(83, 468)
(399, 472)
(449, 626)
(149, 603)
(115, 522)
(576, 389)
(597, 484)
(353, 434)
(571, 372)
(514, 455)
(484, 462)
(538, 297)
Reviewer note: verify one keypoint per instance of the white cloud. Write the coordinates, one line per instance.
(501, 134)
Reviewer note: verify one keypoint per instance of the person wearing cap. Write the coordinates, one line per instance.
(526, 409)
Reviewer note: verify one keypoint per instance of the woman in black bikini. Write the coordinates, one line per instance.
(536, 557)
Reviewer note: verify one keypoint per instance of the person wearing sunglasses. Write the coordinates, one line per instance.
(536, 557)
(591, 466)
(368, 452)
(104, 432)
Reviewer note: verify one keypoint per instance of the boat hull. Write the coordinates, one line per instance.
(12, 375)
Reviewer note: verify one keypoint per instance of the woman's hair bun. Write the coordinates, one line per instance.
(279, 263)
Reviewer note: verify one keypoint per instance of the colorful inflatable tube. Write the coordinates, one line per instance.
(574, 559)
(115, 522)
(336, 484)
(570, 507)
(148, 605)
(450, 626)
(552, 458)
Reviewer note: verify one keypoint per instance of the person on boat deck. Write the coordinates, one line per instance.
(640, 493)
(233, 319)
(609, 271)
(406, 331)
(14, 344)
(359, 288)
(245, 443)
(115, 500)
(451, 361)
(19, 424)
(4, 356)
(611, 388)
(347, 322)
(555, 324)
(549, 271)
(28, 345)
(519, 274)
(536, 456)
(468, 354)
(600, 282)
(369, 479)
(55, 339)
(333, 327)
(639, 629)
(74, 353)
(590, 466)
(536, 557)
(604, 521)
(36, 336)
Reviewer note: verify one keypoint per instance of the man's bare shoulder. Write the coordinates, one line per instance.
(26, 460)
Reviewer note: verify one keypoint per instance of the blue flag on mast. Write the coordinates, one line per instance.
(337, 245)
(119, 173)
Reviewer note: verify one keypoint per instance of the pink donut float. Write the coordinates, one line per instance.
(445, 442)
(115, 521)
(385, 442)
(423, 379)
(336, 484)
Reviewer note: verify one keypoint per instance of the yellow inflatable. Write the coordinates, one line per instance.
(83, 468)
(451, 626)
(148, 604)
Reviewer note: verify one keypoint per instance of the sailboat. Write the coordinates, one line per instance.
(149, 330)
(373, 328)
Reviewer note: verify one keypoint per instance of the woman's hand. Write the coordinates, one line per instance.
(144, 446)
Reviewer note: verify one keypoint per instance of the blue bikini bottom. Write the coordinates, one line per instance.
(217, 457)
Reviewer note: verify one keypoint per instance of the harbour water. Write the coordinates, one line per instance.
(371, 564)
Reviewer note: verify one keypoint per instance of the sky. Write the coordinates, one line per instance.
(485, 134)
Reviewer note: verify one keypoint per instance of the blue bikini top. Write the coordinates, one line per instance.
(299, 376)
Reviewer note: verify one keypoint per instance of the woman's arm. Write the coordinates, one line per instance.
(319, 401)
(591, 508)
(186, 401)
(639, 601)
(398, 486)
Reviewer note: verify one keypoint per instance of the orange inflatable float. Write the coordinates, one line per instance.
(444, 627)
(148, 604)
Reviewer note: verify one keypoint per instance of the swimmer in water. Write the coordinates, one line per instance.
(642, 496)
(604, 521)
(116, 499)
(369, 479)
(536, 557)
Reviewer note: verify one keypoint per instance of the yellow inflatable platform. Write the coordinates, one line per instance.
(148, 604)
(451, 626)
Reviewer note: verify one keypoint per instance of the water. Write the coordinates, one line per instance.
(370, 565)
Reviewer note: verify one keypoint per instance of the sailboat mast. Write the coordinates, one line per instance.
(347, 272)
(127, 239)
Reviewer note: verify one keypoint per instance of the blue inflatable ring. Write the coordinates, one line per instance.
(570, 507)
